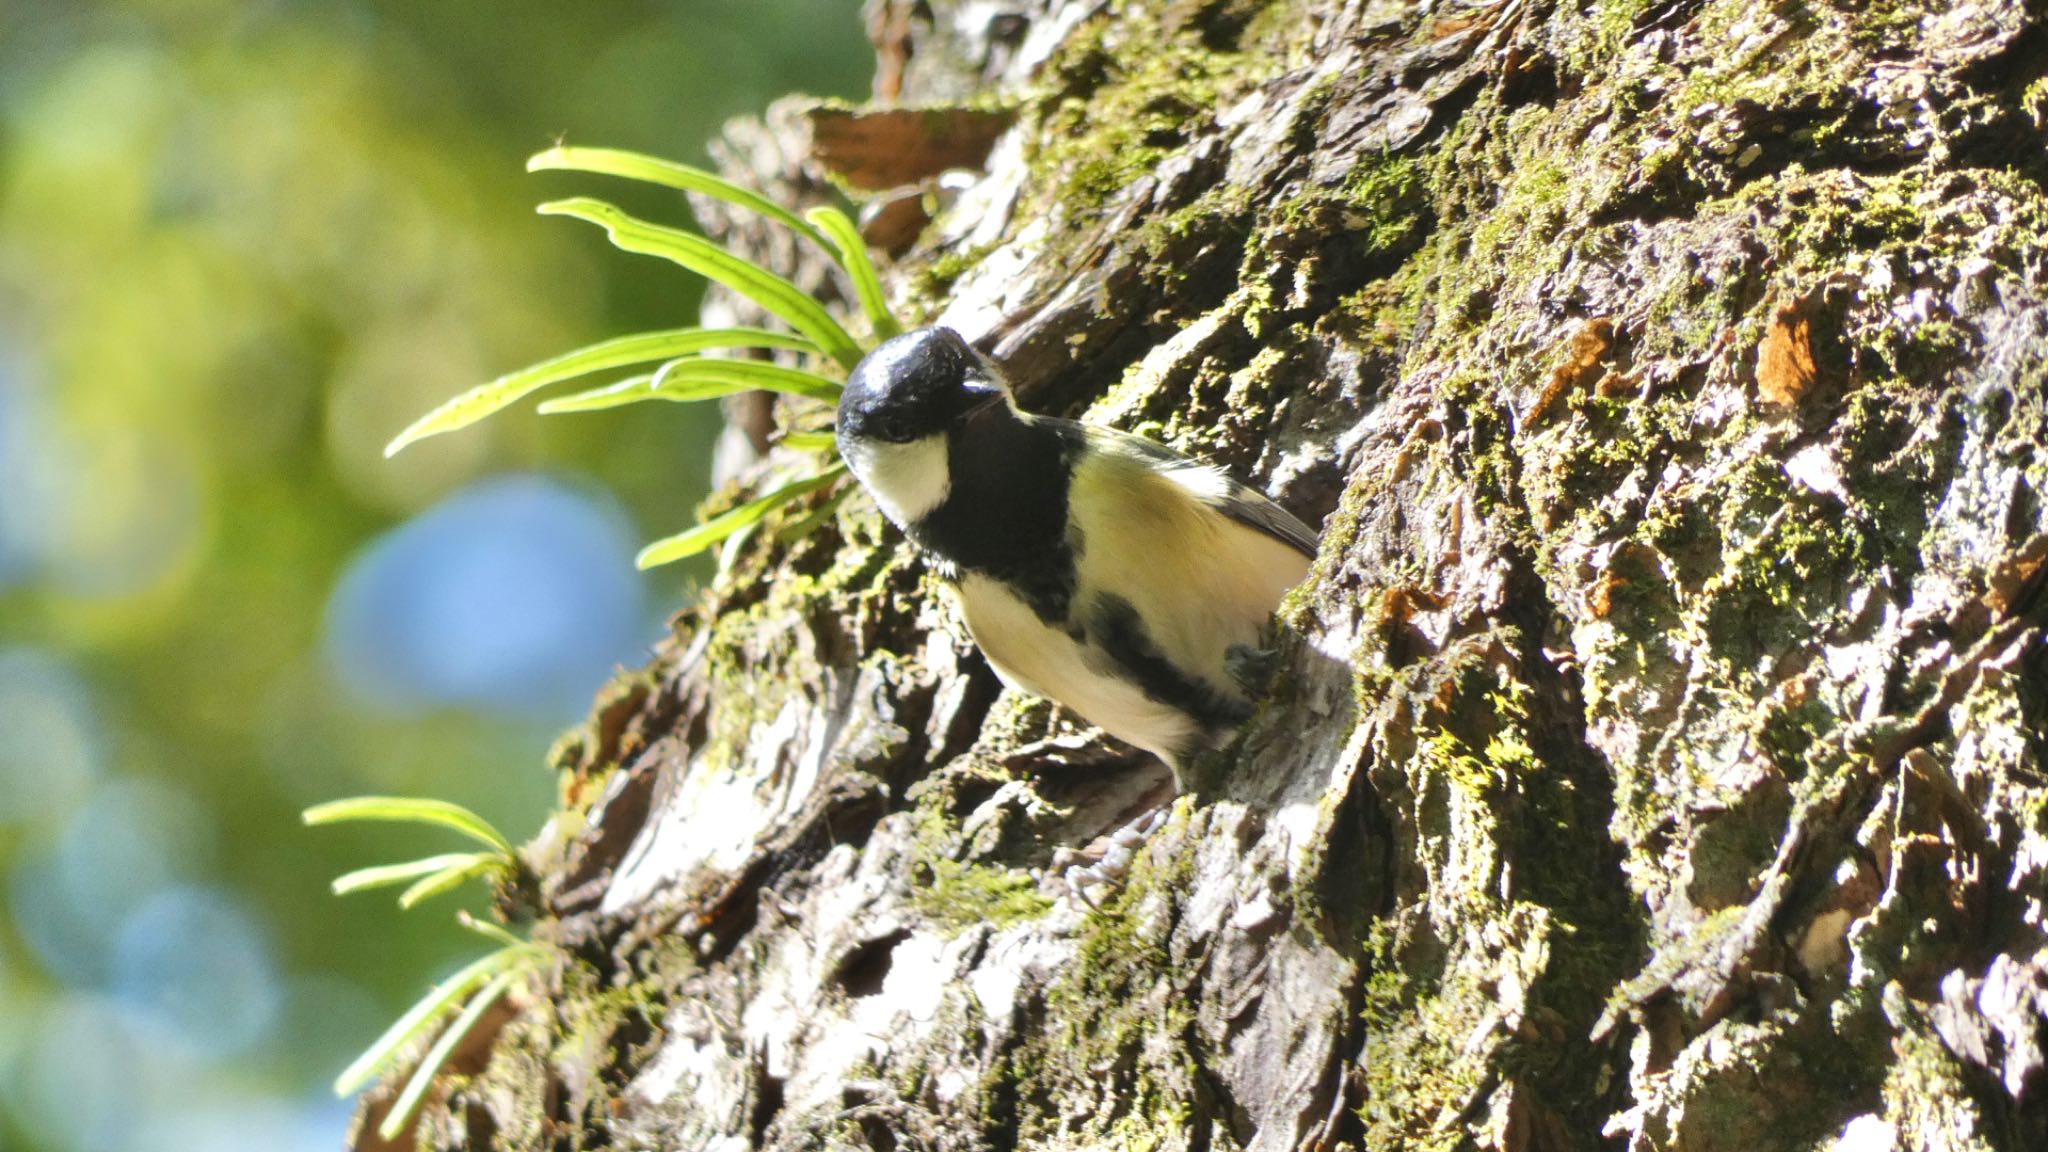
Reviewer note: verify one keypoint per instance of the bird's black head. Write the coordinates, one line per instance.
(915, 386)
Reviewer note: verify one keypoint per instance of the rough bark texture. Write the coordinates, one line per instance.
(1657, 760)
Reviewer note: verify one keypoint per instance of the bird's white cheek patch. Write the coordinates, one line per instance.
(908, 480)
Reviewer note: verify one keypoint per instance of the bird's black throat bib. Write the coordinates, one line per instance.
(1005, 511)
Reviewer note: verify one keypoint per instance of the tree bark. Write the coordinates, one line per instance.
(1657, 756)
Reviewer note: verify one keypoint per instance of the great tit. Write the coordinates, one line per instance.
(1095, 568)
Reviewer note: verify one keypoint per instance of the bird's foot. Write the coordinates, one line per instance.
(1252, 668)
(1092, 873)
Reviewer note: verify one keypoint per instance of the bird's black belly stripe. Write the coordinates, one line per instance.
(1116, 629)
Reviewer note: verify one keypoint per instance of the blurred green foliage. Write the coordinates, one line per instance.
(241, 245)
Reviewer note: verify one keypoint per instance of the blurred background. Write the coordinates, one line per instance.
(241, 245)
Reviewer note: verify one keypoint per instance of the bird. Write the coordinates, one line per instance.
(1095, 568)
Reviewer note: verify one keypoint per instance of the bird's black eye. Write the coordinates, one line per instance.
(893, 428)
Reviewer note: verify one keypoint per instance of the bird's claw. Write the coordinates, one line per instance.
(1252, 668)
(1093, 873)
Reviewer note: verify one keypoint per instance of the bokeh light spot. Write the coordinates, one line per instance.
(143, 520)
(131, 840)
(516, 595)
(78, 1080)
(51, 753)
(31, 470)
(194, 967)
(250, 1125)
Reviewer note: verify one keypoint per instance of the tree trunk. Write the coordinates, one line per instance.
(1657, 756)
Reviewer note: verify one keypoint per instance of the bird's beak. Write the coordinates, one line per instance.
(982, 393)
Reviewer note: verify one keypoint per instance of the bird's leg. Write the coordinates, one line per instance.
(1090, 873)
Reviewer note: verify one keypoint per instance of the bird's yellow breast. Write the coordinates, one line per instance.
(1198, 581)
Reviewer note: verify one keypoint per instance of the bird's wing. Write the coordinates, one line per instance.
(1253, 509)
(1239, 502)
